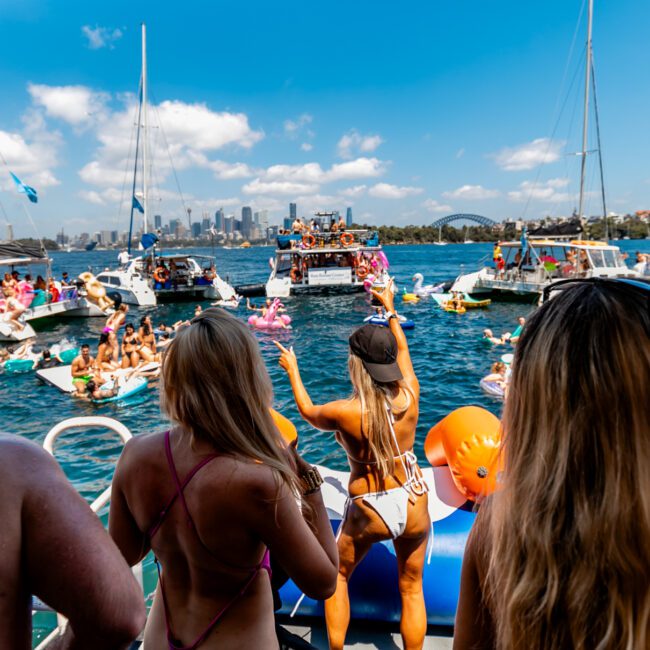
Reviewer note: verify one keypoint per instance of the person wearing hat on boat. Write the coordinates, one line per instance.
(387, 493)
(54, 547)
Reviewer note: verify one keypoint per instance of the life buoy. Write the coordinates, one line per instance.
(295, 274)
(308, 241)
(362, 271)
(160, 275)
(347, 239)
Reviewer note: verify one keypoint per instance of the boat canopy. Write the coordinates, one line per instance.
(17, 254)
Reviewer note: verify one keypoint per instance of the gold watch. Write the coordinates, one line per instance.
(312, 480)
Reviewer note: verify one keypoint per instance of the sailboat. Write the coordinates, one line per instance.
(152, 277)
(597, 258)
(440, 242)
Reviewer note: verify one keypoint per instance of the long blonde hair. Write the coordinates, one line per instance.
(374, 398)
(216, 387)
(569, 533)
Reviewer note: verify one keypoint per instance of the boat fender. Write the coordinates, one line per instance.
(468, 441)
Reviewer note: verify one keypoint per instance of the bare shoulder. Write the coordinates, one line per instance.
(142, 446)
(22, 459)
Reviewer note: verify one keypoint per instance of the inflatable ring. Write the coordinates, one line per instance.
(295, 274)
(86, 276)
(468, 441)
(347, 239)
(160, 277)
(309, 241)
(362, 271)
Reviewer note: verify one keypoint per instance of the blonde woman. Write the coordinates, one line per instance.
(387, 494)
(559, 557)
(212, 496)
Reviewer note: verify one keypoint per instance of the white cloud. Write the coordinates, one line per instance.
(32, 157)
(547, 191)
(307, 178)
(472, 193)
(76, 105)
(228, 171)
(278, 187)
(387, 191)
(434, 206)
(306, 146)
(359, 168)
(353, 192)
(354, 141)
(292, 127)
(99, 37)
(541, 151)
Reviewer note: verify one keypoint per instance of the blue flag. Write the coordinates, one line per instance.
(148, 240)
(32, 195)
(137, 205)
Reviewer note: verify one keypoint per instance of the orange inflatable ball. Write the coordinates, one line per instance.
(467, 440)
(286, 427)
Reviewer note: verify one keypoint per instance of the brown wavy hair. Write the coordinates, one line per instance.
(569, 533)
(216, 387)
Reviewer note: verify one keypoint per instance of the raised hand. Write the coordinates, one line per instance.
(386, 297)
(287, 359)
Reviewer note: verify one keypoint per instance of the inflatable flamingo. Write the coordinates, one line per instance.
(271, 320)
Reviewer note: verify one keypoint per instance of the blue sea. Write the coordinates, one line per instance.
(447, 351)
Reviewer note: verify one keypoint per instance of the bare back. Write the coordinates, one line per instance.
(237, 513)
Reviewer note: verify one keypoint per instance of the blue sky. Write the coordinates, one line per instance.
(407, 112)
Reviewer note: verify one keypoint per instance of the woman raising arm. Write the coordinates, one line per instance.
(387, 494)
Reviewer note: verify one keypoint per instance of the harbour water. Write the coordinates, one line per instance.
(448, 355)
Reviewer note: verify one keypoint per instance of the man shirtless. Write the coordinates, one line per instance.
(55, 547)
(82, 370)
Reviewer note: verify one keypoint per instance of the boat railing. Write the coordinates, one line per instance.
(96, 506)
(316, 240)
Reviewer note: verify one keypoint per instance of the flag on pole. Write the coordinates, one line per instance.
(524, 242)
(31, 193)
(137, 205)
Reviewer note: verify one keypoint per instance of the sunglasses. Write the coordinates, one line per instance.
(561, 285)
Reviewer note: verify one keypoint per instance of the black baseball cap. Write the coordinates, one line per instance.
(377, 348)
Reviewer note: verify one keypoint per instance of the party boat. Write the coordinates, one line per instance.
(335, 262)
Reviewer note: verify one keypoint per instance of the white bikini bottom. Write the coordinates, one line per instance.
(391, 505)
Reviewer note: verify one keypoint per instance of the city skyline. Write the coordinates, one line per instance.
(467, 111)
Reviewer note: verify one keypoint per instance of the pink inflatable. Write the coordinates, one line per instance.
(24, 293)
(271, 320)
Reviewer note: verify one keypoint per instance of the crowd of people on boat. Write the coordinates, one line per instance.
(556, 558)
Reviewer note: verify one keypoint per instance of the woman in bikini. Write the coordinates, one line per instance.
(130, 347)
(117, 318)
(107, 353)
(212, 496)
(147, 349)
(387, 494)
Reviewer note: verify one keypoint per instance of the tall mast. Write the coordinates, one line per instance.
(145, 152)
(586, 111)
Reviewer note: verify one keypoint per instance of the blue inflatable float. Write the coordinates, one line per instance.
(373, 587)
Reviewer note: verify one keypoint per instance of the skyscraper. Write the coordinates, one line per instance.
(229, 224)
(219, 220)
(293, 211)
(205, 225)
(348, 217)
(157, 221)
(246, 221)
(287, 223)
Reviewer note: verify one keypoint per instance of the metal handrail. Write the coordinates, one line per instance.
(48, 444)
